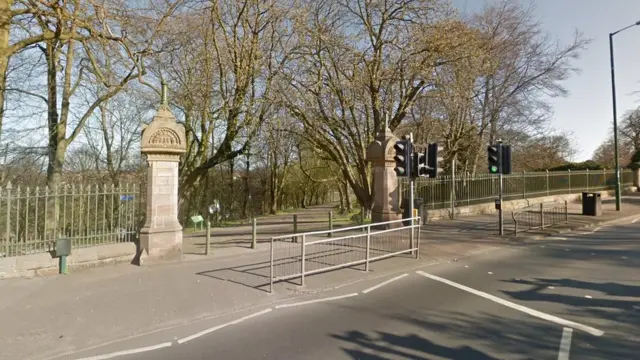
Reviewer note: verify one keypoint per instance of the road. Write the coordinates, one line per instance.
(576, 297)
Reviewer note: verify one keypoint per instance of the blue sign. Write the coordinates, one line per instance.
(126, 197)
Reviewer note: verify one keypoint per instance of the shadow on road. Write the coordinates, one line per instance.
(384, 345)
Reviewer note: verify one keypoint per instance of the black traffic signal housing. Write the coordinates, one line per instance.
(506, 159)
(403, 157)
(433, 160)
(420, 163)
(494, 158)
(499, 159)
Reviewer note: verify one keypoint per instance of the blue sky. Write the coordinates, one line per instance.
(587, 111)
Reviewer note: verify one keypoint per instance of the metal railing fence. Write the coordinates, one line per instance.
(299, 255)
(540, 216)
(31, 219)
(483, 188)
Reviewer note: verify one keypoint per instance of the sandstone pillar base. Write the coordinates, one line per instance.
(160, 244)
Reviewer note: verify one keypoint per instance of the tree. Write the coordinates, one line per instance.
(222, 76)
(358, 61)
(630, 128)
(527, 66)
(83, 43)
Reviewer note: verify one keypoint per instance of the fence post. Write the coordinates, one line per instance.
(418, 242)
(254, 233)
(587, 179)
(566, 212)
(366, 262)
(302, 251)
(570, 192)
(547, 182)
(8, 224)
(271, 268)
(604, 179)
(524, 184)
(330, 234)
(541, 215)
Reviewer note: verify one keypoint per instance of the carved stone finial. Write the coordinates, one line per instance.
(163, 135)
(163, 95)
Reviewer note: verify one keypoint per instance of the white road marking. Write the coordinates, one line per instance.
(556, 238)
(551, 287)
(384, 283)
(466, 266)
(532, 312)
(490, 273)
(210, 330)
(588, 296)
(596, 229)
(316, 300)
(565, 344)
(634, 221)
(624, 257)
(128, 352)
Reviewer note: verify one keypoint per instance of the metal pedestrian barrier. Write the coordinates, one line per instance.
(540, 216)
(299, 255)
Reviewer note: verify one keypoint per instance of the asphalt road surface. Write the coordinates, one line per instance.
(576, 297)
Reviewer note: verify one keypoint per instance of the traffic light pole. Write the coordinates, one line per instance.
(500, 217)
(500, 190)
(411, 203)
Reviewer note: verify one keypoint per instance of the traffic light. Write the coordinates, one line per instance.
(495, 158)
(506, 159)
(404, 153)
(421, 164)
(433, 160)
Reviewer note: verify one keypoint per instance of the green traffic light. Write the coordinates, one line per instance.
(493, 169)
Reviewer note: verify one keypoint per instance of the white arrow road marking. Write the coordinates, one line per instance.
(524, 309)
(210, 330)
(128, 352)
(384, 283)
(565, 344)
(316, 300)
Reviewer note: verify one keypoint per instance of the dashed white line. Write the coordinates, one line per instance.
(588, 296)
(532, 312)
(316, 300)
(596, 229)
(210, 330)
(565, 344)
(128, 352)
(384, 283)
(634, 221)
(556, 238)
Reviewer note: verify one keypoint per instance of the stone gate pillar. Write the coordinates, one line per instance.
(163, 141)
(386, 204)
(636, 178)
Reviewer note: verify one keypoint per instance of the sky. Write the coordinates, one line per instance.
(586, 112)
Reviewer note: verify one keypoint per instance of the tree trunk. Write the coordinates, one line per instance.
(5, 23)
(247, 194)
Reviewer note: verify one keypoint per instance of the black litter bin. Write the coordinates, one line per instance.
(406, 209)
(591, 204)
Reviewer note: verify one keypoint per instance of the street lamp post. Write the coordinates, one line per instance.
(615, 114)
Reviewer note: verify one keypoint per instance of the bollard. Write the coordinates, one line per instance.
(254, 233)
(566, 212)
(63, 265)
(207, 248)
(295, 227)
(330, 224)
(541, 215)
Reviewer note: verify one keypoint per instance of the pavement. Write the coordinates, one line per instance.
(101, 310)
(577, 298)
(233, 239)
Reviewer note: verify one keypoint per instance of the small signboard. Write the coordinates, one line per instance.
(63, 247)
(126, 197)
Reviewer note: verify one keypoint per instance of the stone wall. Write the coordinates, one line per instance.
(43, 264)
(489, 208)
